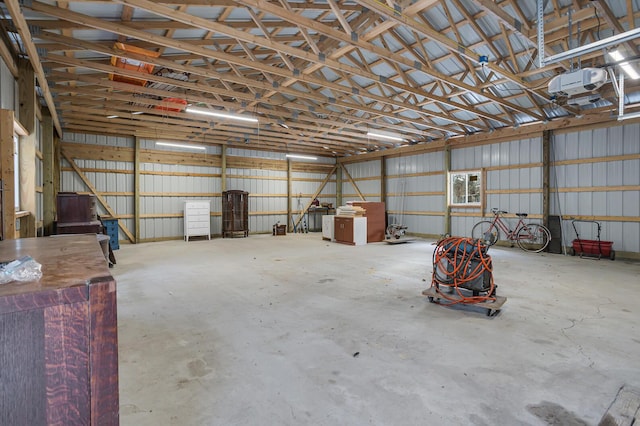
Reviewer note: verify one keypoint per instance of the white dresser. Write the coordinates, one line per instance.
(197, 219)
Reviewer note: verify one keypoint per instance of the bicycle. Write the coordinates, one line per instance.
(530, 237)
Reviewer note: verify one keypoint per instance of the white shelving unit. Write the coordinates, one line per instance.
(197, 219)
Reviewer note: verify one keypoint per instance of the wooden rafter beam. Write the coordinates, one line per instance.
(184, 46)
(519, 27)
(613, 22)
(23, 29)
(344, 128)
(514, 24)
(284, 50)
(198, 87)
(381, 52)
(443, 40)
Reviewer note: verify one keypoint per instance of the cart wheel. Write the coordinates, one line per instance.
(492, 314)
(572, 252)
(431, 299)
(612, 255)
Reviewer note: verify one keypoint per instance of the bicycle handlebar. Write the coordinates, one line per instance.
(497, 212)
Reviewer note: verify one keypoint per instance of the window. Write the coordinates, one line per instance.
(16, 171)
(465, 188)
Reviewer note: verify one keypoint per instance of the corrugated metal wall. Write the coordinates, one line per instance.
(596, 173)
(366, 176)
(8, 88)
(415, 192)
(267, 194)
(165, 187)
(513, 174)
(596, 176)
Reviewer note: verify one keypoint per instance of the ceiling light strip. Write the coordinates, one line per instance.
(302, 157)
(180, 145)
(221, 114)
(383, 136)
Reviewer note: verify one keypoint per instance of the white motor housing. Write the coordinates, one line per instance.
(577, 82)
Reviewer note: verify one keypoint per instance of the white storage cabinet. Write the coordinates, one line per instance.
(327, 228)
(197, 219)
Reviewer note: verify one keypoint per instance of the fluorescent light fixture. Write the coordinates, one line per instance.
(383, 136)
(629, 116)
(221, 114)
(302, 157)
(112, 116)
(626, 66)
(616, 55)
(137, 112)
(180, 145)
(631, 72)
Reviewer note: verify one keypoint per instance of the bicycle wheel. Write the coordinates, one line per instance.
(486, 231)
(533, 238)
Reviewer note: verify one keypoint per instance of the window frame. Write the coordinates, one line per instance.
(16, 170)
(467, 174)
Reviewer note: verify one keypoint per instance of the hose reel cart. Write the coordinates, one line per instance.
(463, 273)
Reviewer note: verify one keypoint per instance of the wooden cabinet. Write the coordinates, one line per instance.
(77, 214)
(59, 351)
(197, 219)
(376, 219)
(350, 230)
(235, 213)
(72, 207)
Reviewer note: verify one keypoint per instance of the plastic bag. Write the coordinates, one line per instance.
(22, 269)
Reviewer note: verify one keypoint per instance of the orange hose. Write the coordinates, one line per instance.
(454, 252)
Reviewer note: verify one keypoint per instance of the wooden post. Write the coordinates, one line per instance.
(27, 96)
(27, 226)
(57, 170)
(27, 144)
(383, 180)
(447, 169)
(289, 192)
(338, 187)
(7, 173)
(27, 165)
(546, 173)
(48, 175)
(223, 169)
(136, 190)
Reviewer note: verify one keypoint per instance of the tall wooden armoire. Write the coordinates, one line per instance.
(235, 213)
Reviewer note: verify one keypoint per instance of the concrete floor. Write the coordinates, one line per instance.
(265, 331)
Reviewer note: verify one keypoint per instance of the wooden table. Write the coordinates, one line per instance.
(59, 343)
